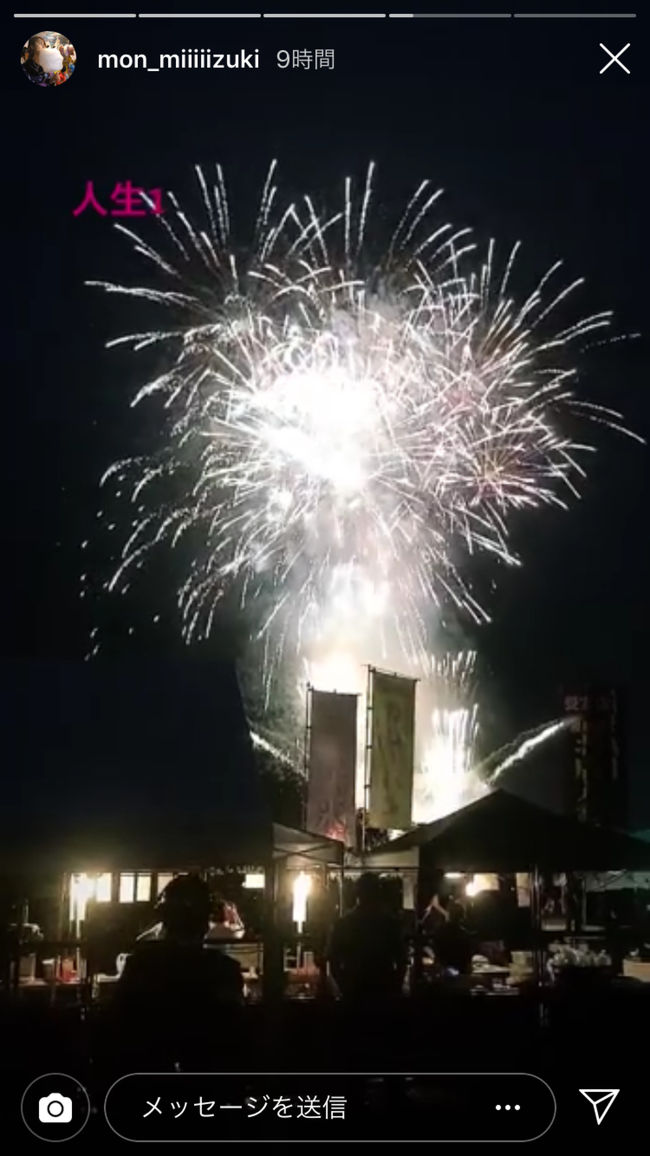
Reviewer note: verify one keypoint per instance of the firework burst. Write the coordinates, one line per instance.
(343, 425)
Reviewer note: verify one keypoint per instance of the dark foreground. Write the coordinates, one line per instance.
(576, 1040)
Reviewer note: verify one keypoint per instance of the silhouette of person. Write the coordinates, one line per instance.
(367, 951)
(227, 923)
(176, 990)
(434, 917)
(452, 942)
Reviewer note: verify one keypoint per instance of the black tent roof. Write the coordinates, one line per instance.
(502, 832)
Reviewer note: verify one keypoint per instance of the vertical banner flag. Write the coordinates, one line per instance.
(576, 707)
(600, 794)
(332, 765)
(392, 751)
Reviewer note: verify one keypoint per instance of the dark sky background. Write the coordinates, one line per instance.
(514, 121)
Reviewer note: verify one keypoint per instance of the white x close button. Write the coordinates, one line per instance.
(615, 58)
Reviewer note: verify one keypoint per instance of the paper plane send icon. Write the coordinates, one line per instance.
(601, 1100)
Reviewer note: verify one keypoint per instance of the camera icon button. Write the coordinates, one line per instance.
(55, 1107)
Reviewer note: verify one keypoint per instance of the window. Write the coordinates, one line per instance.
(127, 888)
(143, 889)
(254, 881)
(164, 878)
(104, 888)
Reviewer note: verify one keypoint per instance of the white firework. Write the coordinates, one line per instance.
(448, 718)
(343, 422)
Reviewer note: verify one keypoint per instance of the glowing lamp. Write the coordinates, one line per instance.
(480, 883)
(301, 889)
(82, 890)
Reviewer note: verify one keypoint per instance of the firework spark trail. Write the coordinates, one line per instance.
(263, 744)
(333, 407)
(513, 753)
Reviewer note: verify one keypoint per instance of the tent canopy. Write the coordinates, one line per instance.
(502, 832)
(200, 846)
(301, 850)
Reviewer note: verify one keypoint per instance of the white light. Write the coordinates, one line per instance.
(486, 882)
(164, 878)
(127, 888)
(481, 883)
(301, 889)
(143, 889)
(104, 888)
(82, 889)
(254, 882)
(453, 875)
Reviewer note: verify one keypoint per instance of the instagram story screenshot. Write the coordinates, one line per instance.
(325, 805)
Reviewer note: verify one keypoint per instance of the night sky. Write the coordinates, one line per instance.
(514, 121)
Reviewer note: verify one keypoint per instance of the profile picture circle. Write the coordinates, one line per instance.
(48, 59)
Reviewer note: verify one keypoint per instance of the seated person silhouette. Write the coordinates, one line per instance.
(226, 923)
(176, 993)
(452, 942)
(367, 952)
